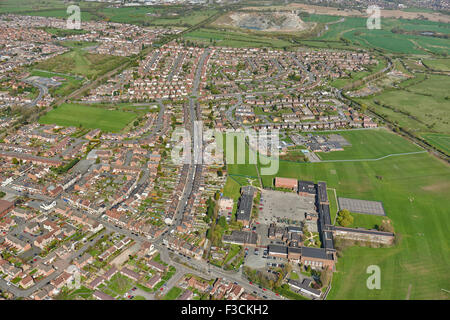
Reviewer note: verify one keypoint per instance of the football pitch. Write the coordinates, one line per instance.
(414, 191)
(370, 144)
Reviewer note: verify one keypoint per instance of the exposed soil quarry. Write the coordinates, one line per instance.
(266, 21)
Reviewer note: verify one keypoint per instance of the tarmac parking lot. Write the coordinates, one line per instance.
(259, 260)
(284, 208)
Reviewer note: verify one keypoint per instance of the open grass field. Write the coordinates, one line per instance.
(414, 190)
(421, 107)
(234, 39)
(355, 76)
(59, 13)
(173, 293)
(369, 144)
(440, 141)
(354, 29)
(82, 63)
(22, 5)
(88, 117)
(366, 221)
(438, 64)
(170, 16)
(143, 15)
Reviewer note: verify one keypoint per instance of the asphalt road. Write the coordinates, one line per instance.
(42, 92)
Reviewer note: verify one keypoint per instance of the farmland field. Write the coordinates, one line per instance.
(438, 64)
(355, 30)
(413, 189)
(171, 16)
(234, 39)
(367, 221)
(23, 5)
(89, 117)
(422, 107)
(173, 293)
(71, 83)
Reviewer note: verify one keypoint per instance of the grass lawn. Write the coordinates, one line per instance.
(233, 251)
(173, 293)
(293, 276)
(440, 141)
(421, 107)
(414, 191)
(75, 115)
(333, 204)
(234, 39)
(291, 294)
(438, 64)
(120, 284)
(369, 144)
(366, 221)
(170, 16)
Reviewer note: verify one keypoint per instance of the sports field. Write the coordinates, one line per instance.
(414, 191)
(88, 117)
(369, 144)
